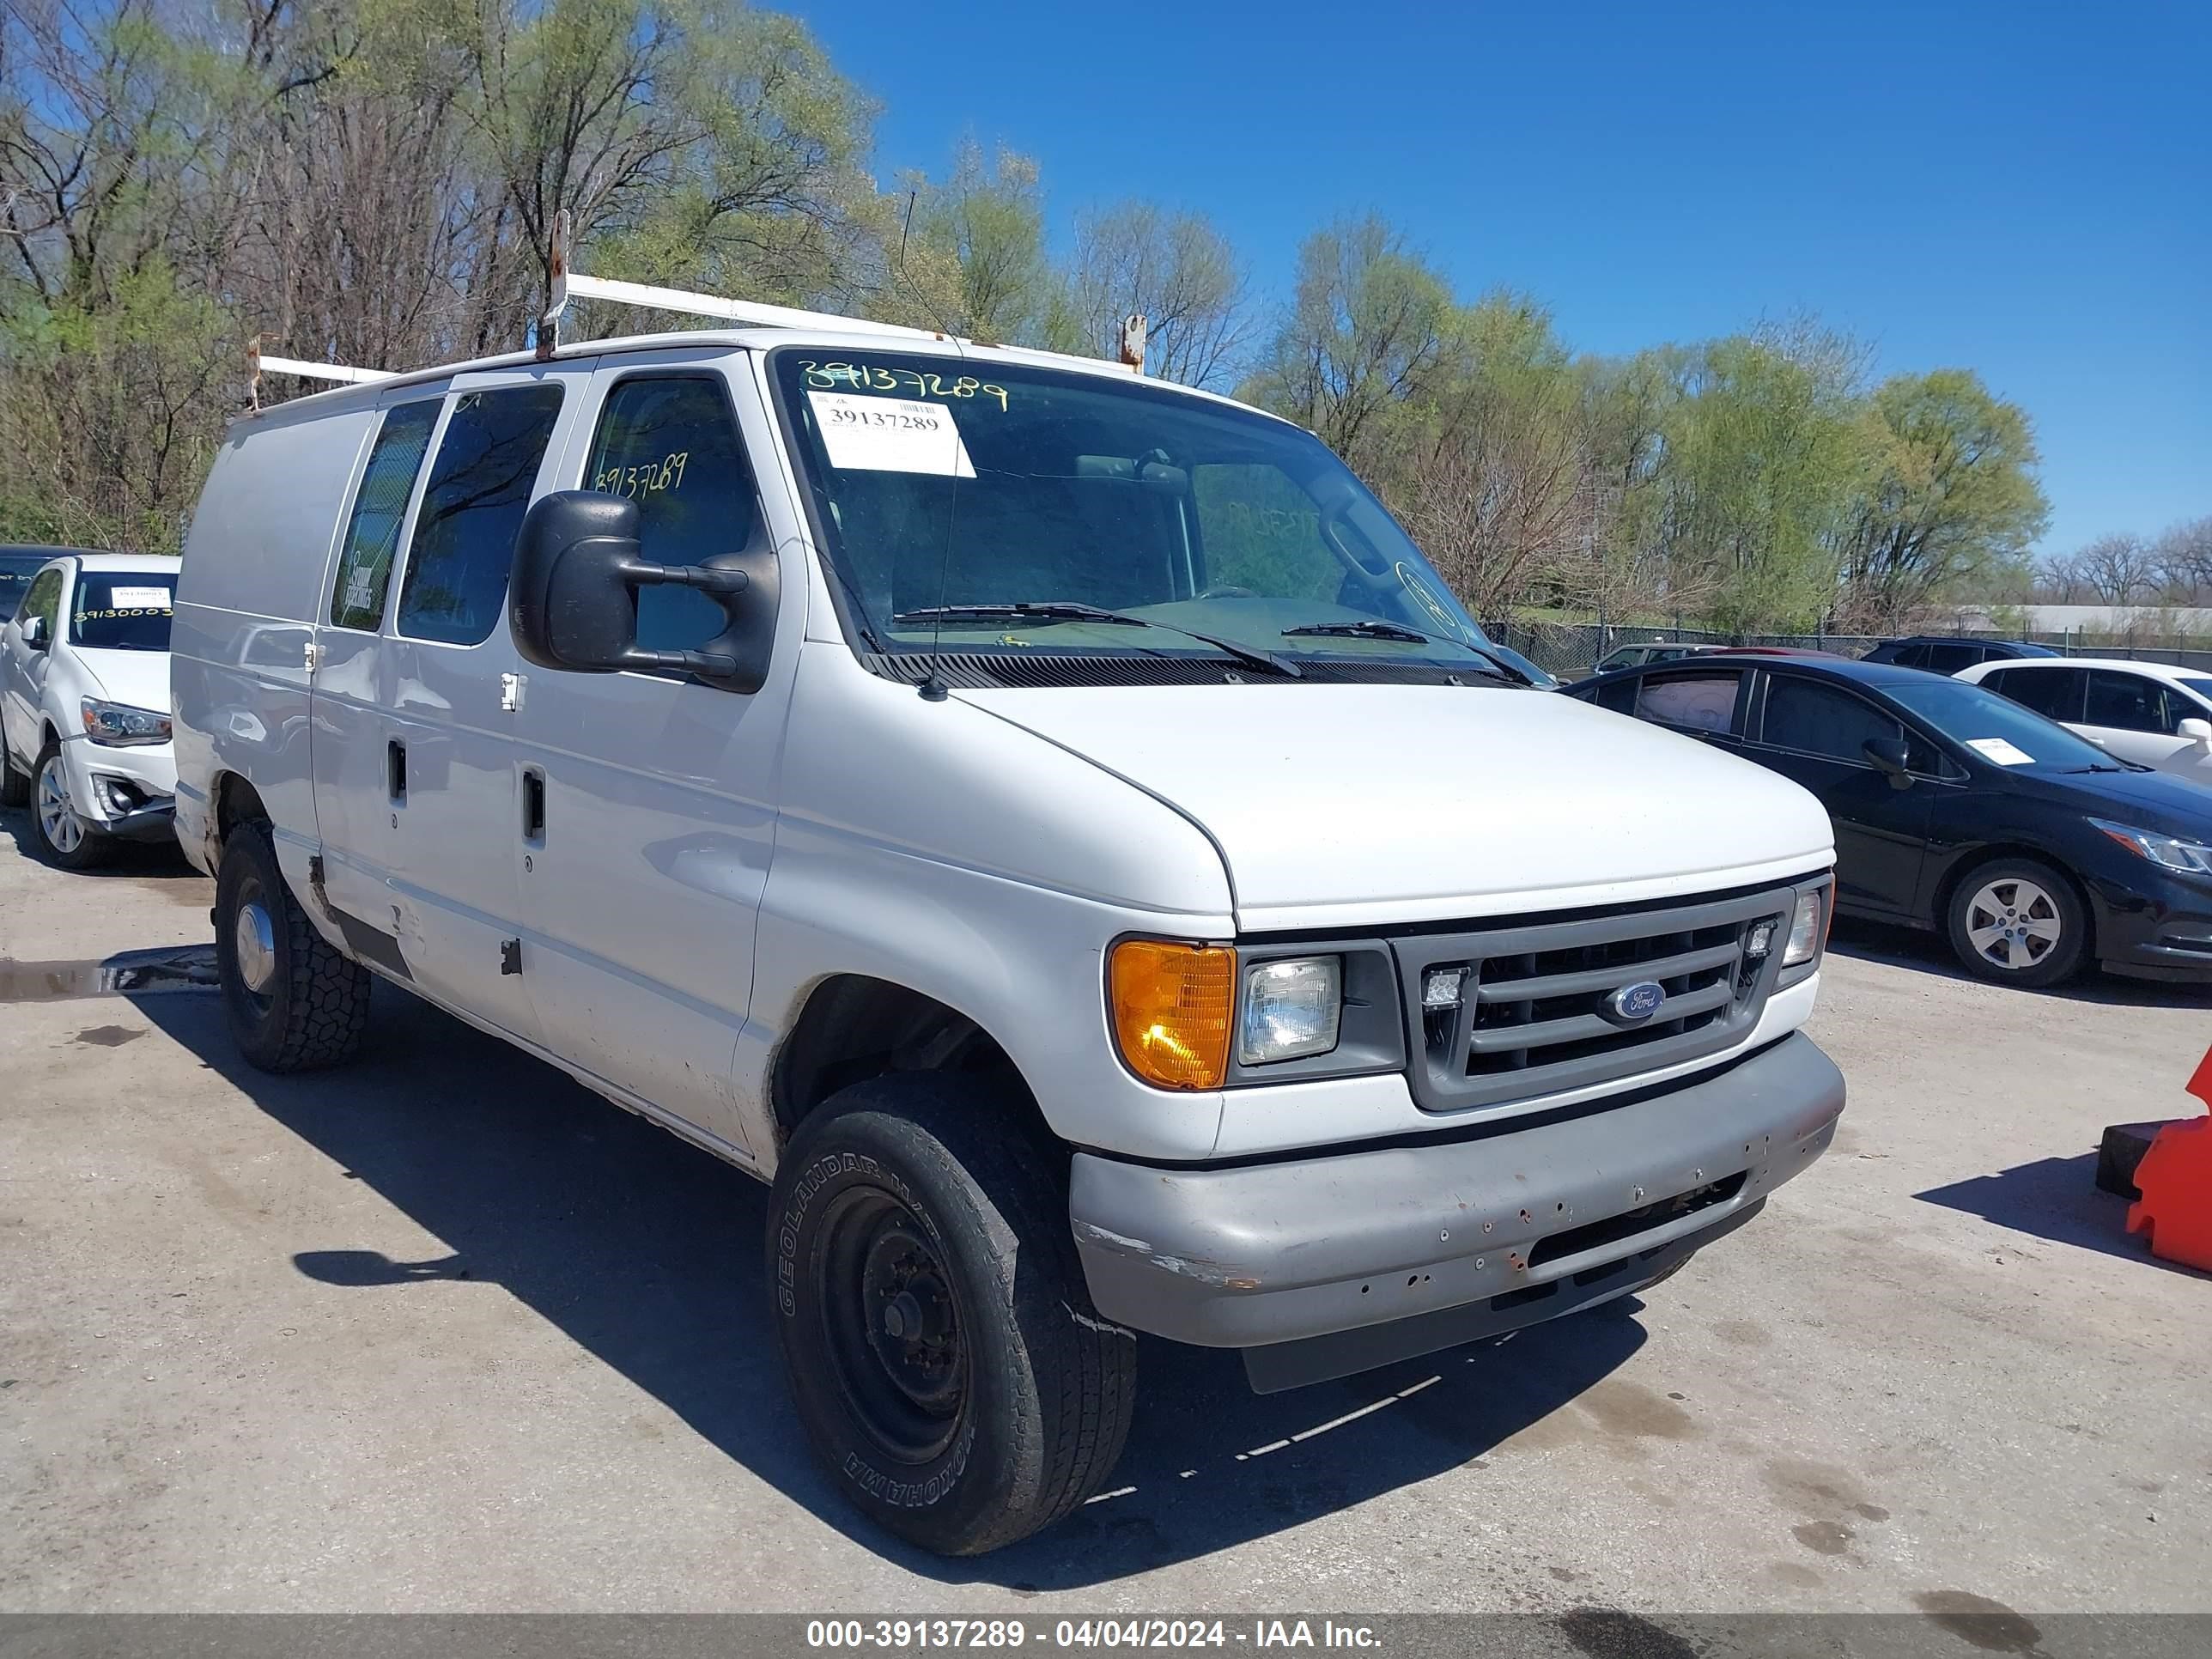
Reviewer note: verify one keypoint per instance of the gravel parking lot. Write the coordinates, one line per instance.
(443, 1332)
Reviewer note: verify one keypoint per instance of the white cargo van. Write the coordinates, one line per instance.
(1055, 826)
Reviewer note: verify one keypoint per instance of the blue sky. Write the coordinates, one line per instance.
(2024, 190)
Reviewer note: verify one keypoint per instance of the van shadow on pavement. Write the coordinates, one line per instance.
(649, 1254)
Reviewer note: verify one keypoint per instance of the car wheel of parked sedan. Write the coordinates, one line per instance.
(2017, 921)
(295, 1003)
(944, 1355)
(65, 838)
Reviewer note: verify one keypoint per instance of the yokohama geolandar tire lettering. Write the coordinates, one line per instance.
(299, 1004)
(944, 1356)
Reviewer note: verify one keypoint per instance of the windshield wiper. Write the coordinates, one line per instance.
(1053, 610)
(1362, 630)
(1028, 611)
(1369, 629)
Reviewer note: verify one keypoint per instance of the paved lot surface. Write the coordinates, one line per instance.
(442, 1331)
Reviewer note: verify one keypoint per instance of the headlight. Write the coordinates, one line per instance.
(118, 725)
(1170, 1004)
(1290, 1009)
(2186, 857)
(1805, 931)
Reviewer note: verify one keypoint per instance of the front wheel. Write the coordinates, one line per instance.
(295, 1003)
(64, 835)
(943, 1352)
(2017, 921)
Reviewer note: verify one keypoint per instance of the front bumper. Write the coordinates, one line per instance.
(126, 791)
(2155, 925)
(1331, 1265)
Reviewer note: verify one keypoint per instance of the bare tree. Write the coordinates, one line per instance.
(1178, 272)
(2183, 556)
(2120, 569)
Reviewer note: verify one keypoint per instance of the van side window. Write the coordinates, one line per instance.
(670, 444)
(373, 533)
(472, 509)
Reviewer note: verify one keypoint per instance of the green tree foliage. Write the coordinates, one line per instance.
(1359, 341)
(977, 248)
(1949, 499)
(376, 181)
(1762, 456)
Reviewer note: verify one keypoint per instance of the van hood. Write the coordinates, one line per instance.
(1359, 805)
(140, 678)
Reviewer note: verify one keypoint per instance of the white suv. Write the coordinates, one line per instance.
(2151, 713)
(84, 704)
(1053, 826)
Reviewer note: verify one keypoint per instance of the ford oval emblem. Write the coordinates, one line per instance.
(1631, 1005)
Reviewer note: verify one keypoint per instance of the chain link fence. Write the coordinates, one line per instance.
(1572, 650)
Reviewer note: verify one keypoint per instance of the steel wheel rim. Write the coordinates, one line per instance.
(2014, 923)
(255, 939)
(252, 990)
(891, 1323)
(58, 818)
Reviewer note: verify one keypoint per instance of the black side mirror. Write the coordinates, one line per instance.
(1888, 754)
(573, 595)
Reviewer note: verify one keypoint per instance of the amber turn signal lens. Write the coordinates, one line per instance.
(1171, 1006)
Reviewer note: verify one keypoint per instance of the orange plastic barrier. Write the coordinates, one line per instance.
(2175, 1178)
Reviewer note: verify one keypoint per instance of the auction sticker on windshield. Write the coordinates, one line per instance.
(140, 599)
(2003, 753)
(890, 434)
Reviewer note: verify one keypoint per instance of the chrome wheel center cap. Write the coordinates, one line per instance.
(257, 947)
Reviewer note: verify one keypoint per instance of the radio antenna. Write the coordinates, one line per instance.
(933, 688)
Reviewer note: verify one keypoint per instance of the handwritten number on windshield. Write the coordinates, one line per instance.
(874, 377)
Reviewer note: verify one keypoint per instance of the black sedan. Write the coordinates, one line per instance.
(2032, 849)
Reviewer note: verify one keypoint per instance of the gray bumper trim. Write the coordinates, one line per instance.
(1411, 1248)
(155, 822)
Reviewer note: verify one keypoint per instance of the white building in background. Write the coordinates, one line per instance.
(2147, 623)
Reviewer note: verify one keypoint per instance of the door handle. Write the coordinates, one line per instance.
(533, 805)
(395, 770)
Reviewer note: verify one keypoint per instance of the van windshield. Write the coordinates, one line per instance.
(1012, 509)
(123, 610)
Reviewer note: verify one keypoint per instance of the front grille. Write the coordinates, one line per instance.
(1535, 1010)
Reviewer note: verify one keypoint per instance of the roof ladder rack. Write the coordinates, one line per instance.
(258, 364)
(569, 283)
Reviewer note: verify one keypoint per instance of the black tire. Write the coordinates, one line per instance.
(311, 1002)
(924, 1195)
(14, 786)
(2018, 910)
(90, 849)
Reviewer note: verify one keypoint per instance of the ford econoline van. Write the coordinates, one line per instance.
(1053, 826)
